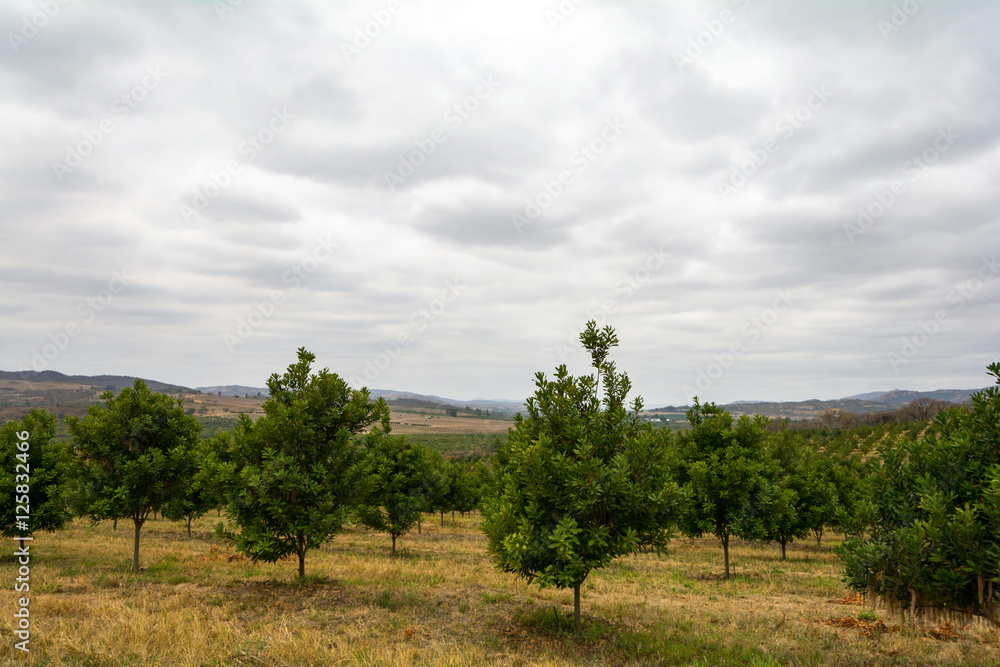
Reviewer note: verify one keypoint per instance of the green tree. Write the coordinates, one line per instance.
(395, 473)
(725, 475)
(462, 489)
(805, 496)
(578, 482)
(438, 493)
(134, 451)
(928, 533)
(218, 471)
(296, 467)
(850, 478)
(35, 473)
(197, 490)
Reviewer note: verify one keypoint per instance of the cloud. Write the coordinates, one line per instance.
(484, 114)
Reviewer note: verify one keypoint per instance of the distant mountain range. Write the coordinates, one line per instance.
(403, 399)
(876, 401)
(902, 396)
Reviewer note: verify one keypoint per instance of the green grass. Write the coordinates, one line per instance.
(458, 444)
(213, 426)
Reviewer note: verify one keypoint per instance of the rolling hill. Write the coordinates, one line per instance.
(72, 394)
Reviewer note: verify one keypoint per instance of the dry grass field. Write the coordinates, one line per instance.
(441, 602)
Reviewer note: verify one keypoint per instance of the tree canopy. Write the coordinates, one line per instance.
(395, 473)
(295, 470)
(134, 454)
(722, 467)
(927, 535)
(36, 472)
(579, 481)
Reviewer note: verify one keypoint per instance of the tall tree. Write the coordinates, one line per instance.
(722, 467)
(579, 481)
(134, 451)
(395, 473)
(296, 468)
(35, 471)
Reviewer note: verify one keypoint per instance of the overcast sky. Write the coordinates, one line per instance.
(766, 200)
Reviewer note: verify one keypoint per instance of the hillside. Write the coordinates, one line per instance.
(72, 394)
(63, 394)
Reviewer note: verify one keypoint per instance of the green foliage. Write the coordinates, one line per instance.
(463, 486)
(395, 474)
(437, 484)
(215, 426)
(578, 482)
(726, 476)
(198, 491)
(928, 532)
(295, 469)
(43, 485)
(805, 493)
(134, 455)
(459, 445)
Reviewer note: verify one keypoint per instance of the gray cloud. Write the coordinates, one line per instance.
(308, 229)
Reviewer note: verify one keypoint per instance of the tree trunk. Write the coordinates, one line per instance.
(442, 518)
(783, 550)
(819, 538)
(393, 545)
(115, 527)
(189, 526)
(302, 556)
(453, 517)
(419, 528)
(135, 546)
(725, 552)
(576, 607)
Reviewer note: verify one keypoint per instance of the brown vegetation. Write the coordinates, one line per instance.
(442, 602)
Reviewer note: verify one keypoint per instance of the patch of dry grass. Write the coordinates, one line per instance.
(441, 602)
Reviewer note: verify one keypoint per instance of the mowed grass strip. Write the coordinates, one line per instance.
(440, 602)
